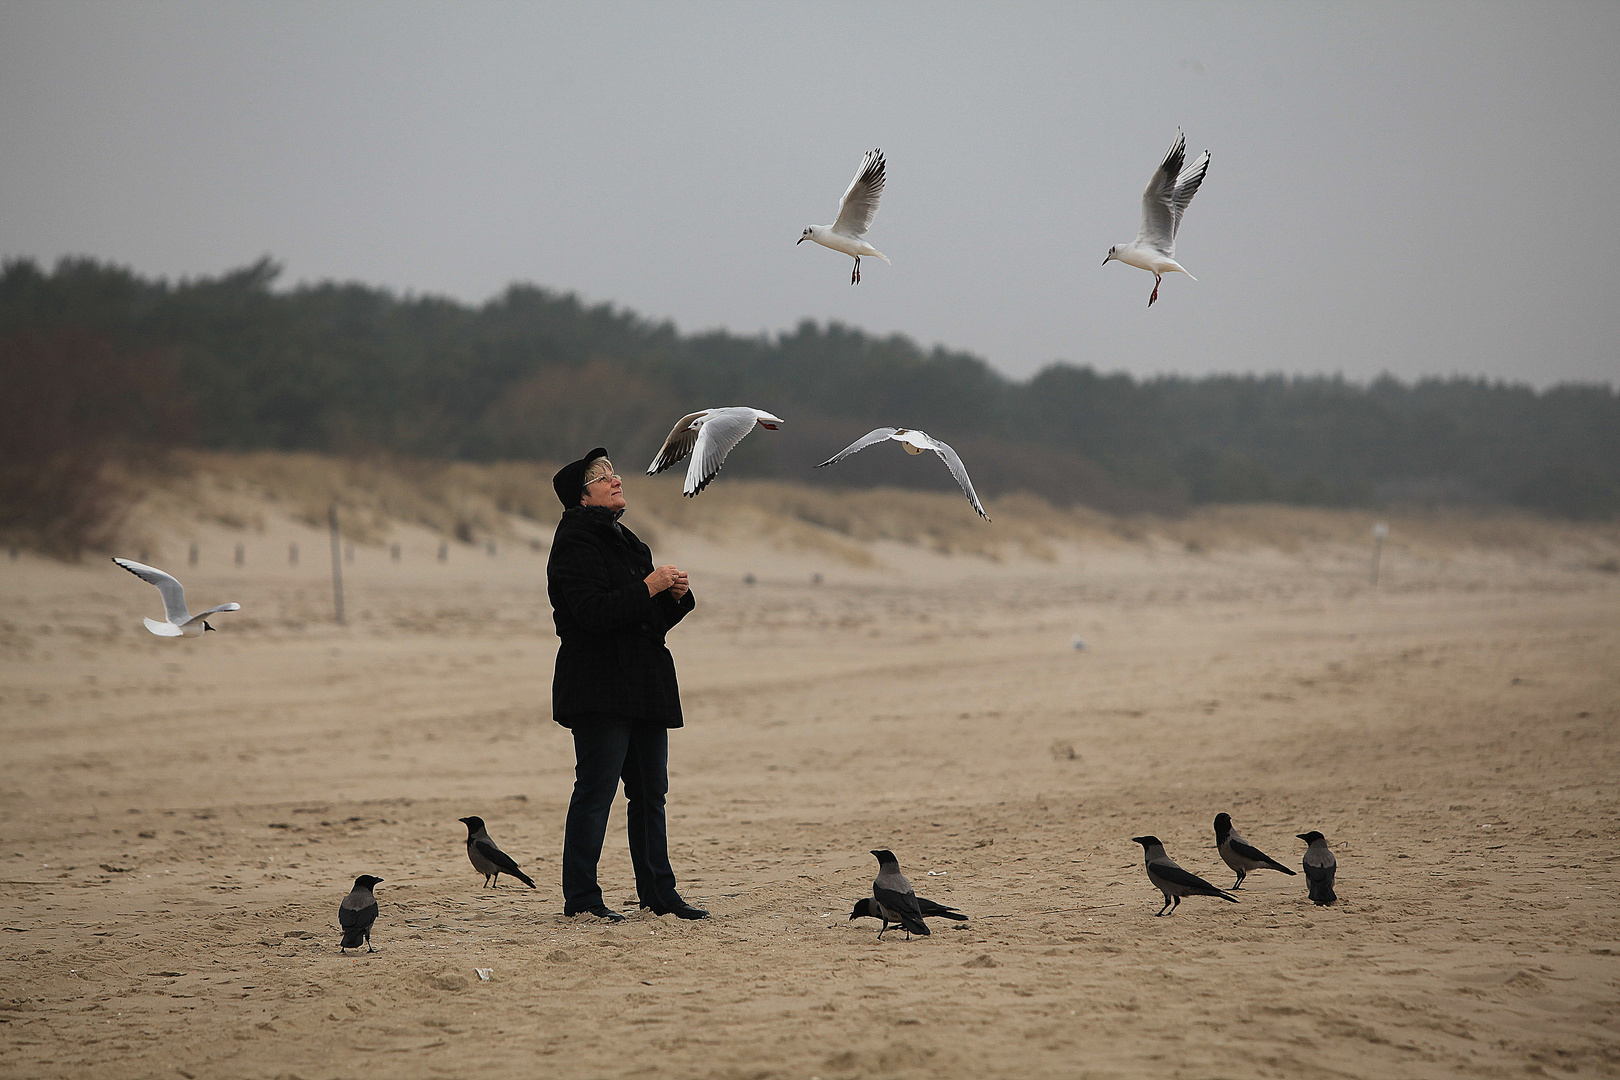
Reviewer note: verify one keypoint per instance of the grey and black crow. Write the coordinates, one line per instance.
(896, 901)
(1320, 868)
(871, 909)
(1171, 879)
(357, 912)
(1239, 854)
(488, 859)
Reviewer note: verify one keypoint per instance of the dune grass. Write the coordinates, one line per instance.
(501, 500)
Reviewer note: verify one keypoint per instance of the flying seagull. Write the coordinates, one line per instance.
(708, 436)
(1170, 879)
(855, 214)
(893, 895)
(1241, 855)
(177, 621)
(488, 859)
(1320, 868)
(357, 912)
(915, 442)
(1163, 203)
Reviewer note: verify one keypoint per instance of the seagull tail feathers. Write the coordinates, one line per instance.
(163, 629)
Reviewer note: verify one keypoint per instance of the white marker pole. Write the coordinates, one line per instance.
(1380, 530)
(337, 563)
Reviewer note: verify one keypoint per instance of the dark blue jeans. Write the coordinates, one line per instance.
(606, 750)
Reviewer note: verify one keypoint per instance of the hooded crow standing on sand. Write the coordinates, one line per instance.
(896, 901)
(357, 912)
(1171, 879)
(1320, 868)
(871, 909)
(1239, 854)
(488, 859)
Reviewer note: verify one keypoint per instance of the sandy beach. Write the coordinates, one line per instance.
(182, 817)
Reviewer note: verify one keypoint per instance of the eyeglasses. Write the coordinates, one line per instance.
(608, 477)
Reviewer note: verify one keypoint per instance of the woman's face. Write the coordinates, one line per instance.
(606, 490)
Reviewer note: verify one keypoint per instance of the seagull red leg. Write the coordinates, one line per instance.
(1156, 279)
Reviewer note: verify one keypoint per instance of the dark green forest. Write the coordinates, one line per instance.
(93, 355)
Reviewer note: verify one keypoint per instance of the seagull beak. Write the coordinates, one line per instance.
(799, 241)
(1106, 258)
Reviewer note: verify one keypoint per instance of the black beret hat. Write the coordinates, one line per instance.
(570, 479)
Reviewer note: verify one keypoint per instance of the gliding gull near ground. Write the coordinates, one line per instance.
(177, 620)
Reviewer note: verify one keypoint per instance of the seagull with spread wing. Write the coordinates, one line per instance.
(178, 621)
(855, 214)
(708, 436)
(915, 442)
(1163, 203)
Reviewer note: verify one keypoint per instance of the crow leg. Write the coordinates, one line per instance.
(1239, 883)
(1166, 906)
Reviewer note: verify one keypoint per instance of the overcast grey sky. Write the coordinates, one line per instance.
(1417, 188)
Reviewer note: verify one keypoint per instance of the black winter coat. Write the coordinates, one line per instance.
(612, 660)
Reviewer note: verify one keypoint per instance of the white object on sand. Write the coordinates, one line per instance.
(178, 621)
(1163, 203)
(708, 436)
(915, 442)
(855, 213)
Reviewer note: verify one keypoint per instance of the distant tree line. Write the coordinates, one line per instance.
(229, 362)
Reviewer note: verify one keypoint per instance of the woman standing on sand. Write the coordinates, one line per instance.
(614, 685)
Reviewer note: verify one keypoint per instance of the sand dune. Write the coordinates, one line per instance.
(181, 818)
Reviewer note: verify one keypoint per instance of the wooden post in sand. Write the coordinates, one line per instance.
(1380, 530)
(337, 563)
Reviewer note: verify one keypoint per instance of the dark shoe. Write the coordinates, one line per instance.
(601, 911)
(681, 910)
